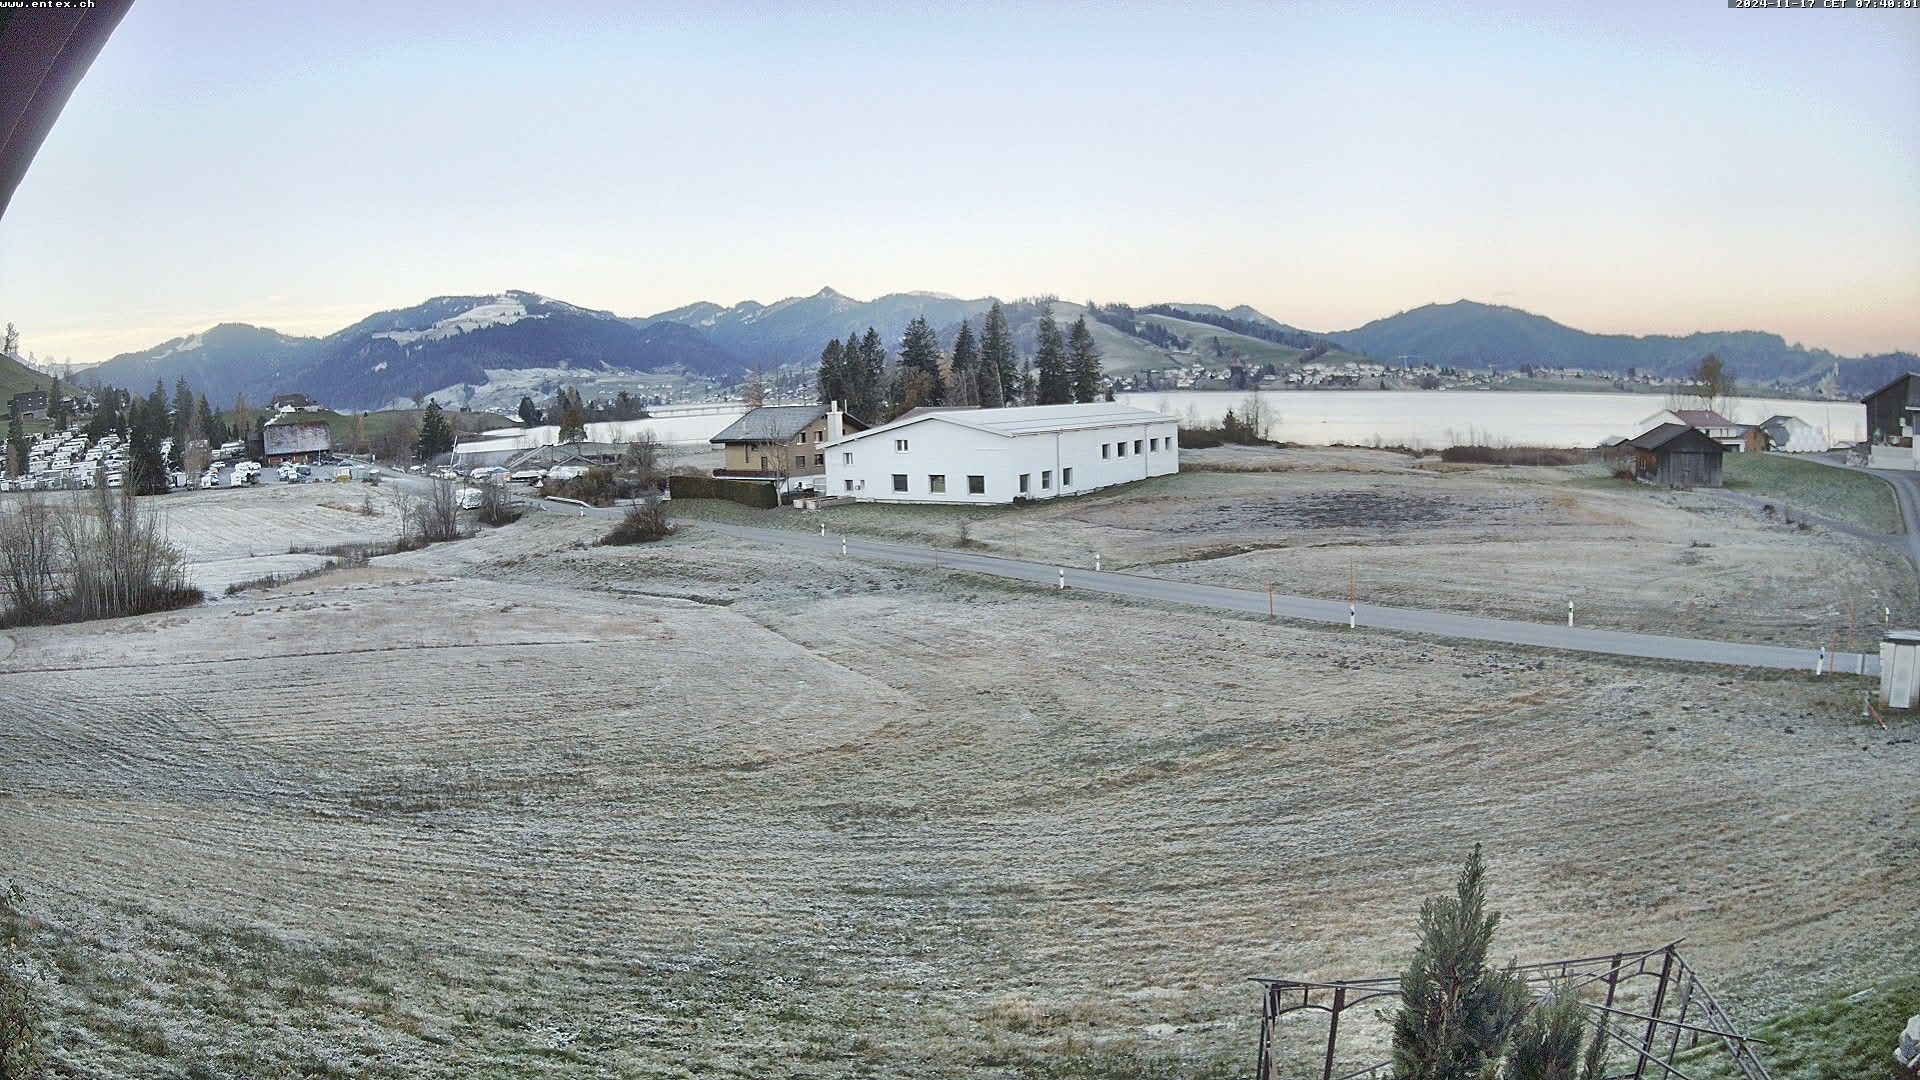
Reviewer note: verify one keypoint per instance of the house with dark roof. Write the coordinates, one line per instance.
(1893, 414)
(29, 404)
(1676, 456)
(1733, 436)
(785, 444)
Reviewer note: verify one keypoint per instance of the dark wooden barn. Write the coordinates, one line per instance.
(1677, 456)
(1890, 410)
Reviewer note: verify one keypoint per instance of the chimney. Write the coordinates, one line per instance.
(834, 425)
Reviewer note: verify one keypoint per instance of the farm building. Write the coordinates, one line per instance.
(1792, 435)
(286, 403)
(1003, 455)
(785, 444)
(1678, 456)
(290, 436)
(1891, 423)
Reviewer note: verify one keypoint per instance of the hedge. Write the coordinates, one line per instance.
(745, 492)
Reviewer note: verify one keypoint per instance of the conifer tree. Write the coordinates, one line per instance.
(866, 385)
(16, 443)
(965, 386)
(436, 435)
(832, 379)
(997, 355)
(1546, 1046)
(56, 407)
(920, 351)
(573, 426)
(528, 411)
(1083, 362)
(1050, 362)
(1456, 1013)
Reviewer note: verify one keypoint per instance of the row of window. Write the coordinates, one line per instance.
(1119, 449)
(977, 485)
(799, 461)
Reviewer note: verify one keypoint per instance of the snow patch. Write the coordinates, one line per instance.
(501, 312)
(381, 366)
(185, 344)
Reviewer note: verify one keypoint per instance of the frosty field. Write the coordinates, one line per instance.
(523, 806)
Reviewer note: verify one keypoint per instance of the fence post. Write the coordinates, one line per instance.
(1569, 613)
(843, 545)
(1063, 577)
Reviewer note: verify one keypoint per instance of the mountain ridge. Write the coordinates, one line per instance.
(454, 340)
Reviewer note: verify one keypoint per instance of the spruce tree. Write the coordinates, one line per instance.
(832, 378)
(56, 408)
(573, 428)
(1456, 1013)
(920, 351)
(436, 435)
(1083, 362)
(1050, 362)
(965, 387)
(529, 412)
(870, 388)
(16, 444)
(997, 355)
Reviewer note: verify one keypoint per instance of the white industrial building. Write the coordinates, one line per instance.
(967, 455)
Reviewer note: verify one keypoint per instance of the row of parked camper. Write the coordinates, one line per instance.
(494, 474)
(63, 459)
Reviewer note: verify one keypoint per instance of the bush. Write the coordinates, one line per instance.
(745, 492)
(97, 557)
(645, 523)
(1515, 455)
(597, 487)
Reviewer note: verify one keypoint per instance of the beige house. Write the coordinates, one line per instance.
(783, 443)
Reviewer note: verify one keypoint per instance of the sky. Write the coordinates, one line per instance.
(1625, 167)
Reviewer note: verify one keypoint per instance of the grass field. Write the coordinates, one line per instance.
(1850, 1035)
(520, 806)
(1842, 494)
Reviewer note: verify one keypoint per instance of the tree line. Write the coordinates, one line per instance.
(985, 369)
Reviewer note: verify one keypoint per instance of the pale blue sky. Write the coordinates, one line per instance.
(1619, 166)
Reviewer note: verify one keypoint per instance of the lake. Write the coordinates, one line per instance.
(1431, 419)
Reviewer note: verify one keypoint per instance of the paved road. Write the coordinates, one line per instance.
(1436, 623)
(1440, 624)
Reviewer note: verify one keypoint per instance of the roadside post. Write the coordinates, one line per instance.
(843, 545)
(1569, 612)
(1063, 577)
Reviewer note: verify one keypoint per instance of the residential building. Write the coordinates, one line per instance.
(983, 456)
(30, 404)
(1678, 456)
(1728, 434)
(286, 403)
(785, 444)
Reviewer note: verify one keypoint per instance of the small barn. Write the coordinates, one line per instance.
(293, 436)
(1677, 456)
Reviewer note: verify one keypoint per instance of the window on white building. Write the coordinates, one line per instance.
(846, 459)
(900, 445)
(899, 481)
(1024, 478)
(937, 483)
(1106, 450)
(1136, 446)
(1066, 477)
(1046, 479)
(976, 485)
(849, 484)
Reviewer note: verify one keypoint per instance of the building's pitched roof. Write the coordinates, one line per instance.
(1703, 418)
(1028, 419)
(1664, 436)
(293, 419)
(771, 423)
(1913, 389)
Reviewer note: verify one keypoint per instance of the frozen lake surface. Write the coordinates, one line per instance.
(1439, 418)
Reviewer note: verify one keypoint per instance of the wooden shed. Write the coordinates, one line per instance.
(1677, 456)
